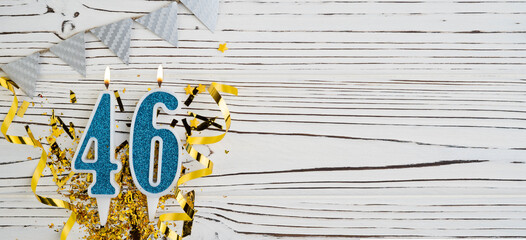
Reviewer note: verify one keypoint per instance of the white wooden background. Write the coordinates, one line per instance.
(355, 119)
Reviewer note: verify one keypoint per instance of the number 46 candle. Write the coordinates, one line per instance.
(145, 135)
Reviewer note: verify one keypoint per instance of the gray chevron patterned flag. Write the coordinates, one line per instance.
(24, 72)
(205, 10)
(162, 22)
(73, 52)
(117, 37)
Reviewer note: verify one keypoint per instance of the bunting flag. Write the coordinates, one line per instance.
(205, 10)
(24, 72)
(162, 22)
(117, 37)
(73, 52)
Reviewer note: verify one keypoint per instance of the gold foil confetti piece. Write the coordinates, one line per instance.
(188, 89)
(203, 126)
(119, 101)
(201, 88)
(72, 97)
(173, 123)
(53, 120)
(121, 146)
(66, 128)
(187, 127)
(194, 123)
(222, 47)
(57, 132)
(191, 97)
(53, 172)
(50, 140)
(72, 130)
(30, 140)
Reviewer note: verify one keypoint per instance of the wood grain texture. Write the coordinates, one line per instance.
(355, 119)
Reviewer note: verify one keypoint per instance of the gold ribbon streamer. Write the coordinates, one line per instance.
(189, 211)
(30, 140)
(214, 90)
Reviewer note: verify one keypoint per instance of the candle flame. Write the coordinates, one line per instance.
(160, 75)
(107, 77)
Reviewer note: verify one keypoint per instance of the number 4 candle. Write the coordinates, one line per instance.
(99, 133)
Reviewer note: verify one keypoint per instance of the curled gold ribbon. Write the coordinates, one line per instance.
(30, 140)
(214, 90)
(187, 207)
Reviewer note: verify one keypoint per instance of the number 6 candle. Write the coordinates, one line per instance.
(99, 133)
(144, 134)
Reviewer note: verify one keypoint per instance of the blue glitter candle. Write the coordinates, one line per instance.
(99, 134)
(143, 136)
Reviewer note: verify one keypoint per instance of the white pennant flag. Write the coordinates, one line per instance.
(205, 10)
(24, 72)
(117, 37)
(162, 22)
(73, 52)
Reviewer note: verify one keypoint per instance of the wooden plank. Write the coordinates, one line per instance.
(355, 119)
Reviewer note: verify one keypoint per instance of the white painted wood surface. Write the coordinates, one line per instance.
(355, 119)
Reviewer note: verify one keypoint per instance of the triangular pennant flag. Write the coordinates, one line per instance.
(117, 37)
(205, 10)
(73, 52)
(162, 22)
(24, 72)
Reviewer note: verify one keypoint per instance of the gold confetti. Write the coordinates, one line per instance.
(194, 122)
(222, 47)
(188, 89)
(72, 97)
(201, 88)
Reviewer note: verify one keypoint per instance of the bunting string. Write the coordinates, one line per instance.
(116, 36)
